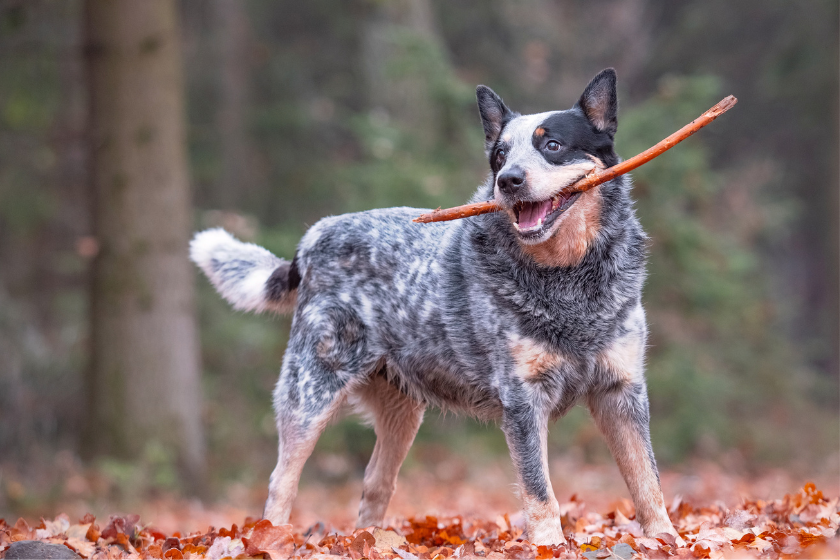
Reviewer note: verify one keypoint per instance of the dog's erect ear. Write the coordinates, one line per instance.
(494, 114)
(599, 102)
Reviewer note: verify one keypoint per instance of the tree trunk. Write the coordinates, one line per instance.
(144, 380)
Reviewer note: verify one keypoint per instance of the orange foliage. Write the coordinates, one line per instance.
(804, 524)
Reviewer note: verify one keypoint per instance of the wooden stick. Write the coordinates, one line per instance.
(594, 177)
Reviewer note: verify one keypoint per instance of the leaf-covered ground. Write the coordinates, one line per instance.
(799, 525)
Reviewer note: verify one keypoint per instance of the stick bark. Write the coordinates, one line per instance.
(594, 177)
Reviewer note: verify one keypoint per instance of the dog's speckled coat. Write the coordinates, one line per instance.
(396, 316)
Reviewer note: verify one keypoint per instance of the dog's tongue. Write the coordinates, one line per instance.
(531, 212)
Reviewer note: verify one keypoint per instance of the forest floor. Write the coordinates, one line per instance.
(460, 509)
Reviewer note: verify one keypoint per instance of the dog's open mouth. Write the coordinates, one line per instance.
(534, 217)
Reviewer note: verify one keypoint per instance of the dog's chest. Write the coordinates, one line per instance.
(567, 319)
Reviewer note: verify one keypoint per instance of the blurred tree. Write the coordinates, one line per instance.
(780, 59)
(231, 24)
(395, 35)
(143, 384)
(42, 212)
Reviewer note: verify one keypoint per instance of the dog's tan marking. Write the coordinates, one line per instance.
(532, 359)
(539, 132)
(573, 236)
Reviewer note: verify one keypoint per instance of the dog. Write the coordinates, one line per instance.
(512, 316)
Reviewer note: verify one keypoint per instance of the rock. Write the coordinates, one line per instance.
(33, 550)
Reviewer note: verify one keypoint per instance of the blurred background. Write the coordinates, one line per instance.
(125, 126)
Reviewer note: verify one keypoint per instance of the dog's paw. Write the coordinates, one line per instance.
(548, 533)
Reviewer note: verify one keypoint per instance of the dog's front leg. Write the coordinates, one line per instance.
(526, 431)
(621, 414)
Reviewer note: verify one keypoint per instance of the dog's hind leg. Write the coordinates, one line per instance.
(396, 420)
(303, 410)
(526, 431)
(326, 353)
(621, 413)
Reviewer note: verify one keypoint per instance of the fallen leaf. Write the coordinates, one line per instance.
(270, 539)
(53, 528)
(623, 550)
(385, 540)
(82, 547)
(117, 525)
(173, 554)
(78, 531)
(361, 545)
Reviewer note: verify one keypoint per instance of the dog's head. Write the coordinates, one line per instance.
(533, 157)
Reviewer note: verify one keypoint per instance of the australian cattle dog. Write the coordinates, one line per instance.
(512, 316)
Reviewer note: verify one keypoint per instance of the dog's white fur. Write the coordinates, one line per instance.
(249, 293)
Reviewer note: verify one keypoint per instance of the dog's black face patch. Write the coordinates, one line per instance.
(568, 136)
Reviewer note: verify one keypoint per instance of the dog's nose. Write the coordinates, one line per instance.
(511, 180)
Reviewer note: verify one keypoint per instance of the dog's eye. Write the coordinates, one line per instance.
(552, 146)
(500, 158)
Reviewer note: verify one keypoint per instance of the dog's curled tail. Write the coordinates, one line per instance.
(248, 276)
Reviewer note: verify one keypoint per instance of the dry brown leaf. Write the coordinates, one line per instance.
(269, 539)
(384, 540)
(803, 524)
